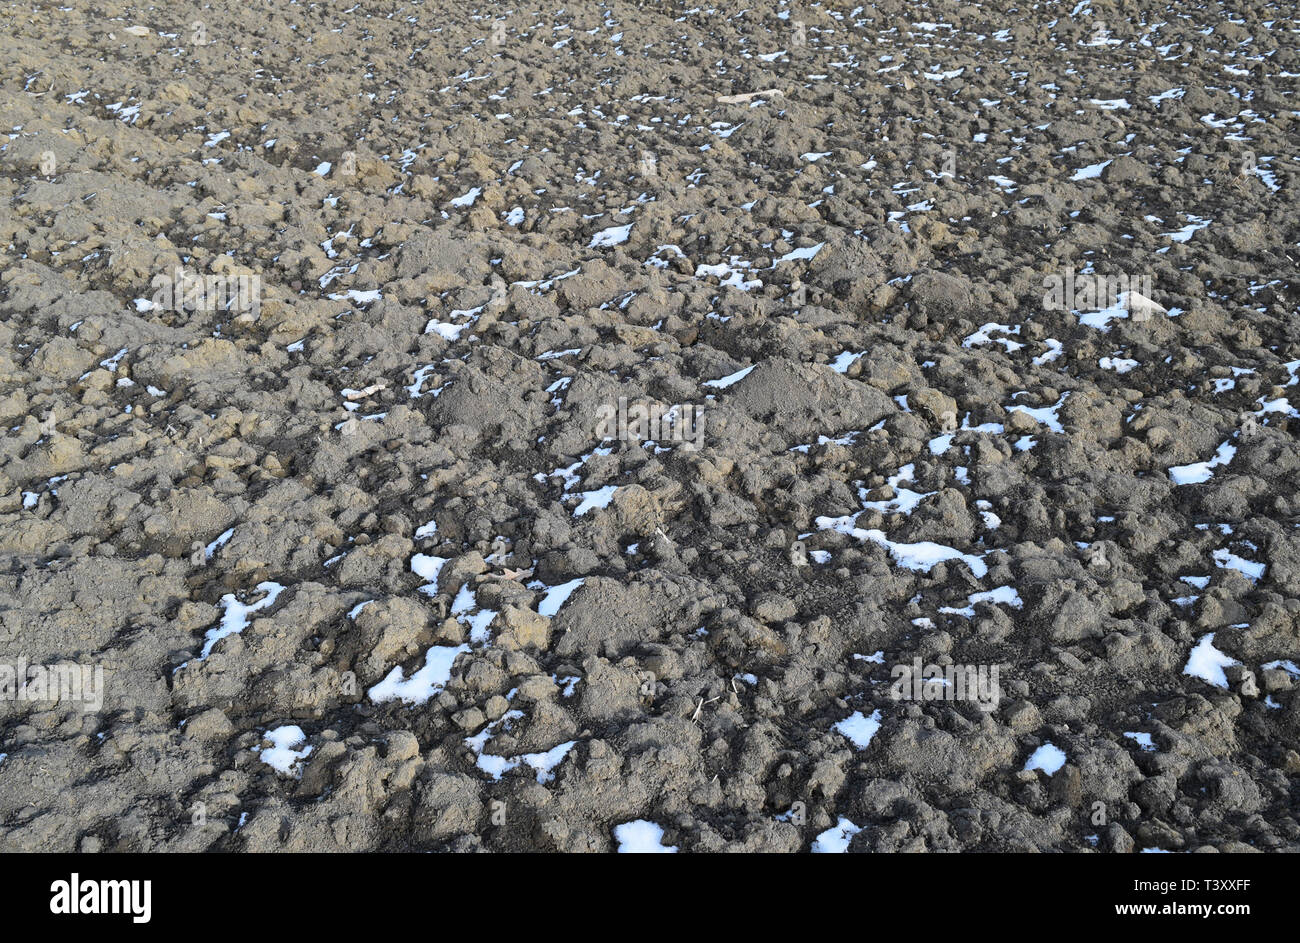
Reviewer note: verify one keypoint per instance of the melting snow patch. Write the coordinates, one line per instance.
(991, 520)
(843, 361)
(730, 274)
(1266, 175)
(613, 236)
(599, 498)
(918, 556)
(723, 382)
(795, 255)
(1207, 662)
(1226, 559)
(493, 764)
(566, 684)
(360, 297)
(905, 500)
(1043, 414)
(983, 336)
(940, 444)
(641, 837)
(418, 379)
(557, 596)
(428, 567)
(466, 199)
(544, 763)
(281, 755)
(858, 728)
(1126, 303)
(1090, 172)
(1199, 472)
(1143, 741)
(236, 616)
(1118, 364)
(835, 840)
(1006, 595)
(1049, 758)
(1184, 234)
(424, 683)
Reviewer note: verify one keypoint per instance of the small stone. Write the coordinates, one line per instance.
(773, 607)
(523, 628)
(470, 719)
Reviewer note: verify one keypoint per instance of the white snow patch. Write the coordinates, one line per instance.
(1125, 303)
(641, 837)
(1199, 472)
(1226, 559)
(794, 255)
(1054, 350)
(235, 619)
(1049, 758)
(983, 336)
(429, 680)
(1143, 740)
(905, 500)
(1186, 233)
(1207, 662)
(282, 755)
(599, 498)
(613, 236)
(1005, 595)
(1046, 415)
(835, 840)
(843, 361)
(466, 199)
(557, 596)
(1118, 364)
(723, 382)
(544, 763)
(858, 728)
(918, 556)
(1091, 171)
(428, 567)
